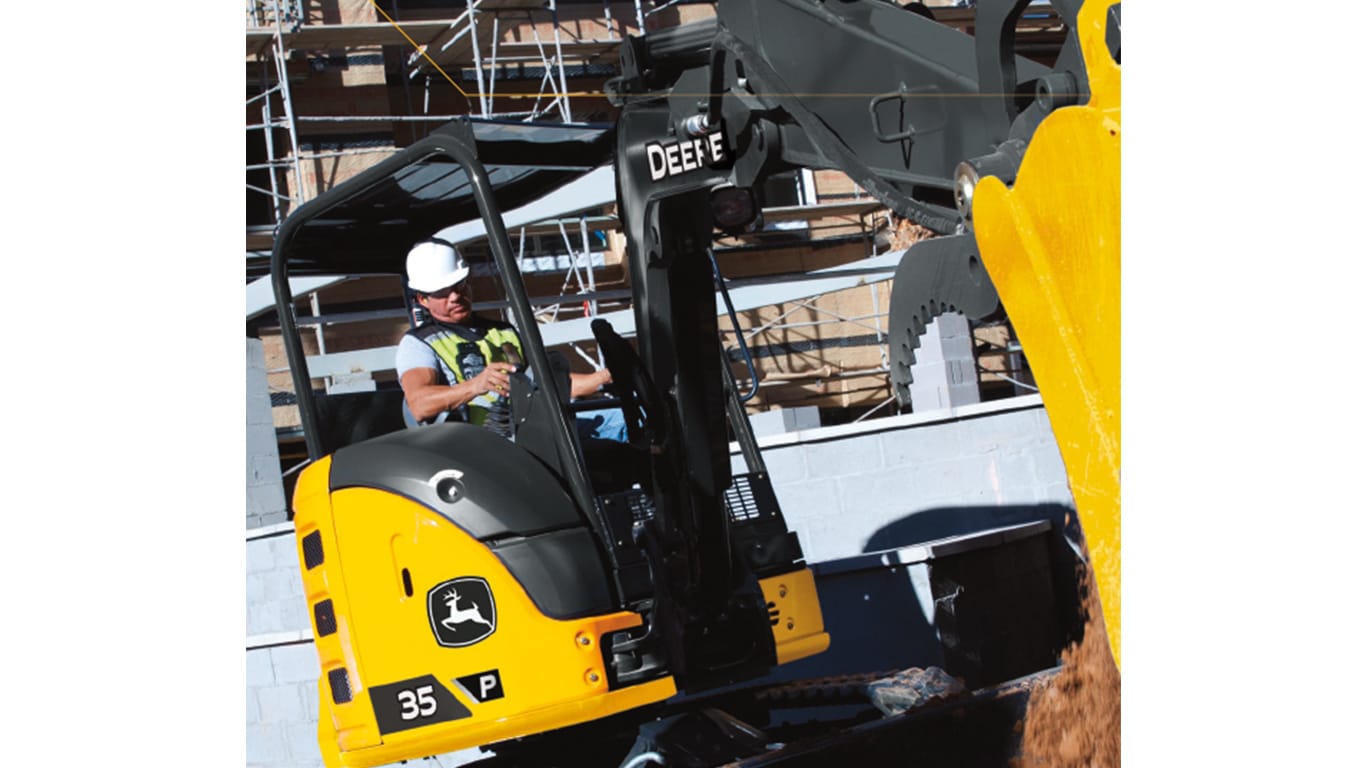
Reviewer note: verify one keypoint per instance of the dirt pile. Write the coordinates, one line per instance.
(1074, 721)
(904, 232)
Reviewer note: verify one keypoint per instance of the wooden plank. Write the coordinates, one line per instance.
(573, 51)
(319, 37)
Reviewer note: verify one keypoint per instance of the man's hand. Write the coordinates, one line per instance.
(494, 378)
(583, 384)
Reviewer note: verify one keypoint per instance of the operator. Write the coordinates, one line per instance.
(457, 364)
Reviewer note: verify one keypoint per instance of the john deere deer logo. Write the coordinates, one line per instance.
(461, 611)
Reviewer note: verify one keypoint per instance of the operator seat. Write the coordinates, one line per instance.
(612, 466)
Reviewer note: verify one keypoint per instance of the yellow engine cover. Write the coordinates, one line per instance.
(427, 643)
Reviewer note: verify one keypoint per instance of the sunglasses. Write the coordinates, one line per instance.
(445, 293)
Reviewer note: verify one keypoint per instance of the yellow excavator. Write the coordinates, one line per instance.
(566, 601)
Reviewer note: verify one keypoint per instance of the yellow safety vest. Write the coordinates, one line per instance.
(457, 346)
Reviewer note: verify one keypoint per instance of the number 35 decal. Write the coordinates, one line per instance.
(414, 703)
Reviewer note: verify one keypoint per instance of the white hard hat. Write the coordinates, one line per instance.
(433, 265)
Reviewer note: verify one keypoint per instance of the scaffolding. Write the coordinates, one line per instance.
(267, 26)
(487, 44)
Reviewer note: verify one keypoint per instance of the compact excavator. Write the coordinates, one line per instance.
(564, 601)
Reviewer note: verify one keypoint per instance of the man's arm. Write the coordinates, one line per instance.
(581, 384)
(428, 396)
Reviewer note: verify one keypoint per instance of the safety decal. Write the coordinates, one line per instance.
(414, 703)
(677, 157)
(482, 686)
(461, 611)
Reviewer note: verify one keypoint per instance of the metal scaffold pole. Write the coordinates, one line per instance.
(261, 14)
(559, 61)
(282, 75)
(478, 63)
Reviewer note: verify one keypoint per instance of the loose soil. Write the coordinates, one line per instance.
(1073, 722)
(905, 232)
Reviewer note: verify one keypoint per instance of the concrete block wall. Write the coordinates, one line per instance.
(945, 371)
(282, 665)
(276, 611)
(282, 706)
(840, 489)
(781, 420)
(265, 489)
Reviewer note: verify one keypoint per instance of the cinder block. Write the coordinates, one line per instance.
(946, 338)
(1057, 493)
(877, 496)
(964, 475)
(785, 465)
(935, 480)
(256, 356)
(280, 704)
(284, 552)
(283, 586)
(1048, 464)
(929, 352)
(256, 588)
(266, 744)
(265, 489)
(951, 388)
(264, 468)
(809, 500)
(303, 745)
(296, 615)
(309, 691)
(257, 518)
(290, 614)
(259, 669)
(264, 618)
(781, 420)
(977, 442)
(847, 456)
(265, 502)
(295, 663)
(950, 325)
(928, 372)
(260, 557)
(261, 442)
(962, 374)
(904, 447)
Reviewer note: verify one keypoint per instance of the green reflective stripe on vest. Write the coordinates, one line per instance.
(446, 345)
(491, 346)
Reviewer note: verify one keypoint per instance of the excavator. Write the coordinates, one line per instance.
(559, 600)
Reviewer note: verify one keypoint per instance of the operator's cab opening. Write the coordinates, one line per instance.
(346, 418)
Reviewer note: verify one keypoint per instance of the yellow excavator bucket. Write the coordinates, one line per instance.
(1051, 245)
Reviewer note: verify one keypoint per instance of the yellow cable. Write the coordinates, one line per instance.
(419, 49)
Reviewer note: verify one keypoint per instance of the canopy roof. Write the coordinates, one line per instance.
(366, 224)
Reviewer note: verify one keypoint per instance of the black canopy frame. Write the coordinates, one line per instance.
(467, 169)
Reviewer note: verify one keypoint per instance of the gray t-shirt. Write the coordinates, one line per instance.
(415, 353)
